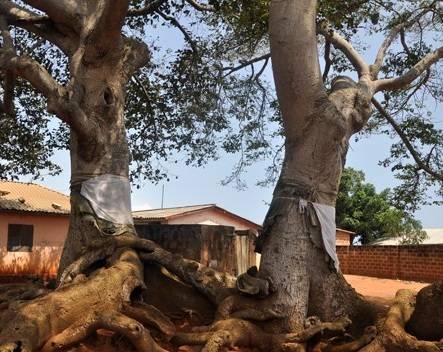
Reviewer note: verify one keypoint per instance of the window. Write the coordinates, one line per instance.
(20, 238)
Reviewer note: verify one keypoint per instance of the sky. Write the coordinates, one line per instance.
(203, 185)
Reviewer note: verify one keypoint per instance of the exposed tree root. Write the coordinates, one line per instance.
(427, 319)
(242, 333)
(354, 345)
(58, 320)
(243, 307)
(111, 297)
(393, 337)
(211, 283)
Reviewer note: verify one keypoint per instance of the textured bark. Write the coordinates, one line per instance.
(71, 313)
(427, 319)
(317, 127)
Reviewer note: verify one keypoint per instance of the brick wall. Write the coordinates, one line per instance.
(417, 263)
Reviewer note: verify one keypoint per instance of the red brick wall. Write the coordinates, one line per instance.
(417, 263)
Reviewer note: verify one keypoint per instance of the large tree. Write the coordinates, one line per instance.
(101, 275)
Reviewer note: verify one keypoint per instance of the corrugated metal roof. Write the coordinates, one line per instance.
(165, 213)
(168, 213)
(435, 236)
(18, 196)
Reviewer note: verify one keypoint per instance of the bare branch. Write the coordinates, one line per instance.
(406, 79)
(244, 64)
(423, 165)
(182, 29)
(147, 10)
(32, 71)
(60, 11)
(398, 29)
(14, 12)
(345, 47)
(41, 26)
(57, 95)
(200, 7)
(8, 95)
(328, 61)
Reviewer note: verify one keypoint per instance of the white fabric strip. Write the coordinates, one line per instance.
(110, 197)
(326, 216)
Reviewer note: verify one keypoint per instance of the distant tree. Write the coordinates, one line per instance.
(372, 215)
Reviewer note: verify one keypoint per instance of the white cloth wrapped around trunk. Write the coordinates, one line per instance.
(110, 197)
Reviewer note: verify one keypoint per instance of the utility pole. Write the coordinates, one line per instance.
(163, 194)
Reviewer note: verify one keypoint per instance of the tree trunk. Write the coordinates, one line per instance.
(317, 128)
(102, 95)
(293, 254)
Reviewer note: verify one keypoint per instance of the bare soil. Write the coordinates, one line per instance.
(381, 291)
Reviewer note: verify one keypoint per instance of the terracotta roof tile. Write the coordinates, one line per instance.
(32, 197)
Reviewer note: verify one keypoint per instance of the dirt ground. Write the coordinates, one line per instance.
(381, 291)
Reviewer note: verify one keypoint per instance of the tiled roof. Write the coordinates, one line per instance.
(30, 197)
(166, 213)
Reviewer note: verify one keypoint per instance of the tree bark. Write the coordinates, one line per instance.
(317, 130)
(100, 89)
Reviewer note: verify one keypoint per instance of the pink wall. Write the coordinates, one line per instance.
(211, 217)
(49, 234)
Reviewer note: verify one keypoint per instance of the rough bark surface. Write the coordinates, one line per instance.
(427, 319)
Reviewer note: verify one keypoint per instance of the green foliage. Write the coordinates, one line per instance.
(190, 103)
(373, 215)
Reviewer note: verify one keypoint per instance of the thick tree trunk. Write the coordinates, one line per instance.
(317, 130)
(102, 91)
(293, 254)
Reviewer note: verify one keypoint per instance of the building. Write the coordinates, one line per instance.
(206, 214)
(34, 222)
(435, 236)
(344, 237)
(221, 239)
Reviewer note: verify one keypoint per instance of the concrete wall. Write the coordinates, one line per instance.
(49, 236)
(417, 263)
(210, 217)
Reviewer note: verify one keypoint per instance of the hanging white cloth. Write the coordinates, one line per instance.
(110, 197)
(326, 216)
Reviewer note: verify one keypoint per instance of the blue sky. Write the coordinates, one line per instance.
(203, 185)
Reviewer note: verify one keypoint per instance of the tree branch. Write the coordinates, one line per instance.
(200, 7)
(415, 155)
(58, 101)
(8, 95)
(244, 64)
(60, 11)
(328, 60)
(41, 26)
(182, 29)
(345, 47)
(398, 29)
(406, 79)
(147, 10)
(297, 75)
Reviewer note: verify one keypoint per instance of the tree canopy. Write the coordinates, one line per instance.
(371, 214)
(208, 92)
